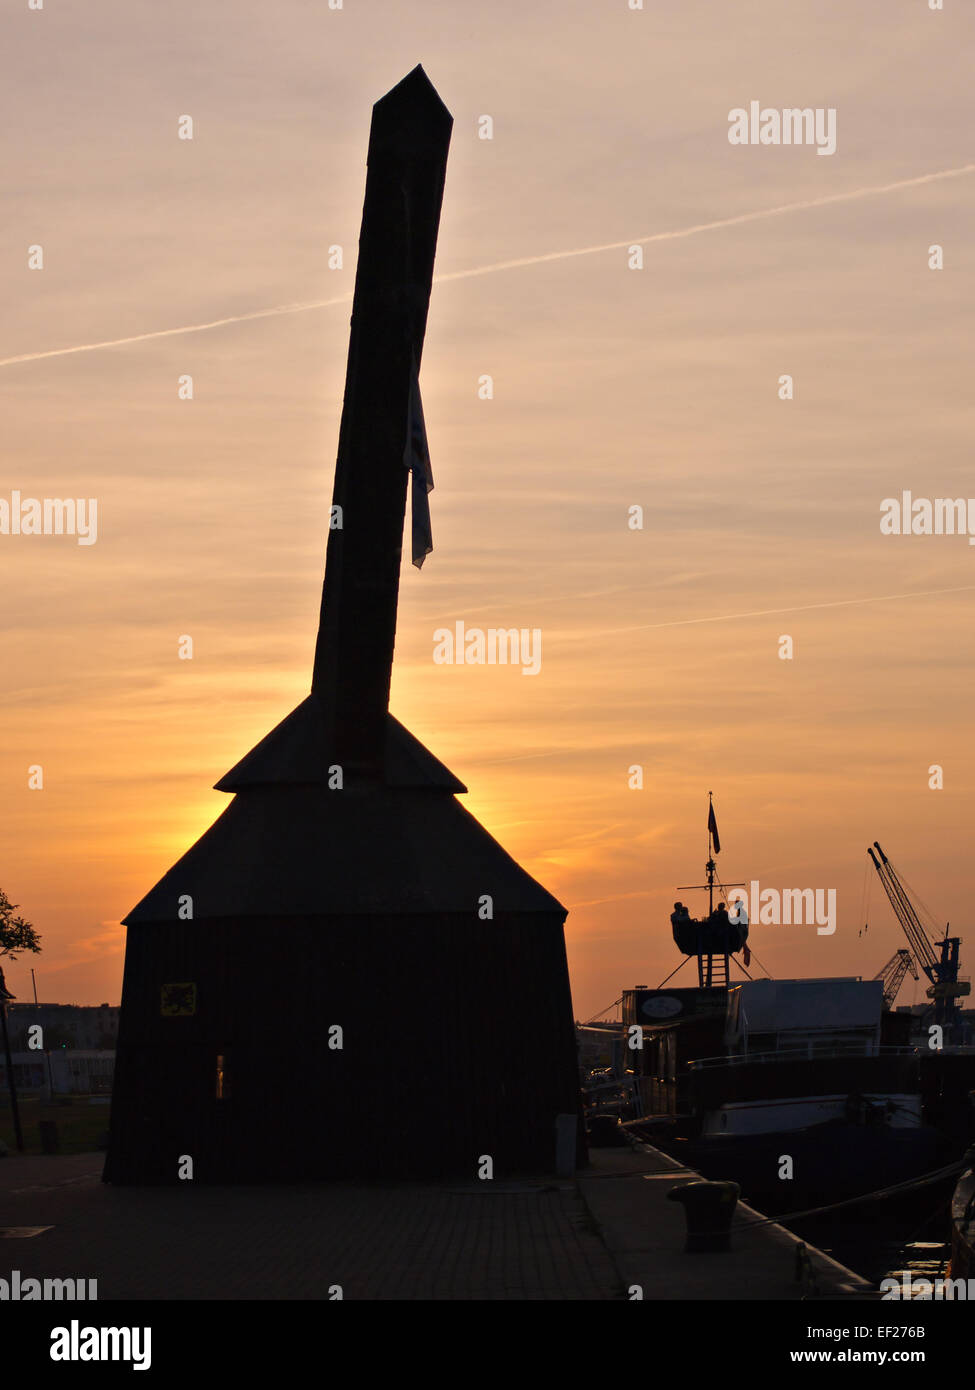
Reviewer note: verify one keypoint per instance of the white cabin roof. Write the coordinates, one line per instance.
(782, 1006)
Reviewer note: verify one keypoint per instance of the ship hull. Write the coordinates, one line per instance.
(829, 1163)
(963, 1225)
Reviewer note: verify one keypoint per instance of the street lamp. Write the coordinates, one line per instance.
(11, 1084)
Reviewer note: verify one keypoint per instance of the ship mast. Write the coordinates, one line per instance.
(710, 866)
(713, 965)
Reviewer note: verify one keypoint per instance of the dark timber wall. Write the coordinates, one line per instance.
(456, 1044)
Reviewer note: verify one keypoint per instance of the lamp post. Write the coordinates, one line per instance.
(11, 1084)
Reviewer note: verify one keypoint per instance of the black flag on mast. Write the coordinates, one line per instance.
(416, 457)
(713, 827)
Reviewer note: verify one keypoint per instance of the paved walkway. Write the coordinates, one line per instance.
(626, 1193)
(591, 1239)
(532, 1240)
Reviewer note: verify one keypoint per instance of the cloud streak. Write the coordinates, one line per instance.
(109, 941)
(871, 191)
(173, 332)
(770, 612)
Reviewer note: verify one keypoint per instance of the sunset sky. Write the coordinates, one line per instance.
(613, 387)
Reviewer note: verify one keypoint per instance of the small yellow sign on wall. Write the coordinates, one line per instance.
(178, 1000)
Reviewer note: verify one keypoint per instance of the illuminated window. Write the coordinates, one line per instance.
(223, 1075)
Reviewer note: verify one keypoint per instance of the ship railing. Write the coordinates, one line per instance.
(819, 1051)
(610, 1094)
(620, 1083)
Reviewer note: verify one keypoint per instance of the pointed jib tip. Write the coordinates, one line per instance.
(415, 78)
(415, 91)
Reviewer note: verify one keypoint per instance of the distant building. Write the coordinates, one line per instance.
(600, 1045)
(70, 1027)
(61, 1073)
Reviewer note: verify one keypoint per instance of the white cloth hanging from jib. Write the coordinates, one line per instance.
(416, 457)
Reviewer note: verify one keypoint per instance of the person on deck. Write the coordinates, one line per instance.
(721, 924)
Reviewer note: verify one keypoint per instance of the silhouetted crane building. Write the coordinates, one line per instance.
(345, 887)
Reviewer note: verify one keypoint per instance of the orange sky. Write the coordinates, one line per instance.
(613, 387)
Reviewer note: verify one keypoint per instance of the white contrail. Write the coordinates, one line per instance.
(873, 190)
(171, 332)
(768, 612)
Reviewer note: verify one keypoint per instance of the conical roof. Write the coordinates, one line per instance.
(289, 845)
(296, 752)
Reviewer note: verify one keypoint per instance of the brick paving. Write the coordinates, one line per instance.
(499, 1241)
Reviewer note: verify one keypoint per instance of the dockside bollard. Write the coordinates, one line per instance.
(566, 1133)
(708, 1209)
(605, 1131)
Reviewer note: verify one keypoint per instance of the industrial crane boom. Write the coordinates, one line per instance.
(942, 970)
(893, 974)
(905, 913)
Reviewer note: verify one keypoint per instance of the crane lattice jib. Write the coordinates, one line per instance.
(906, 915)
(892, 974)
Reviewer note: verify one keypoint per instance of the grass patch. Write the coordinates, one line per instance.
(81, 1127)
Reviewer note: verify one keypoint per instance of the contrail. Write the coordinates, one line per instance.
(874, 190)
(870, 192)
(171, 332)
(771, 612)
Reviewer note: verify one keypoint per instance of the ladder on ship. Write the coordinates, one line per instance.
(712, 972)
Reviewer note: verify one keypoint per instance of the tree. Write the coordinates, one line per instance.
(16, 933)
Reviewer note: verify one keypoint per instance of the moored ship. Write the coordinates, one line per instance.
(805, 1091)
(797, 1089)
(963, 1223)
